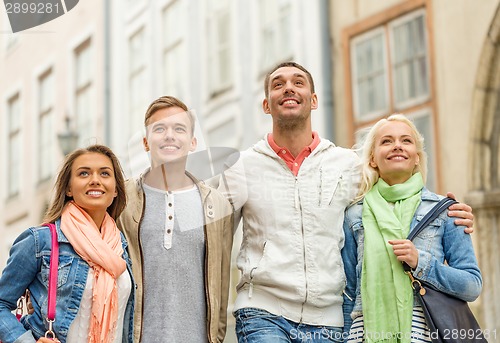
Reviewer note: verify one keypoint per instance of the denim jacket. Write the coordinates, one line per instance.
(440, 241)
(28, 268)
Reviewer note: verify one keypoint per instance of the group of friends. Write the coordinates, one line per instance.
(324, 237)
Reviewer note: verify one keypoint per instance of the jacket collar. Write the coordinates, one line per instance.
(204, 190)
(263, 147)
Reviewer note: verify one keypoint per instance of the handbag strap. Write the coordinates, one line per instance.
(52, 290)
(442, 205)
(430, 216)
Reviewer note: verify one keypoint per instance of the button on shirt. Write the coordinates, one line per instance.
(292, 162)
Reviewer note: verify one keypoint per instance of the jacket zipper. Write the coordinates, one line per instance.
(297, 207)
(250, 284)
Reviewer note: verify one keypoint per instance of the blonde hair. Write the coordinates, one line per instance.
(370, 175)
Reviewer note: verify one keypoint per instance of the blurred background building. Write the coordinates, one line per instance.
(89, 75)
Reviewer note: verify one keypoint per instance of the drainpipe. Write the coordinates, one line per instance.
(107, 72)
(327, 68)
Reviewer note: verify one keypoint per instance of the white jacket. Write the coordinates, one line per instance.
(290, 258)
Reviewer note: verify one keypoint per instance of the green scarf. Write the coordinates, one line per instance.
(386, 291)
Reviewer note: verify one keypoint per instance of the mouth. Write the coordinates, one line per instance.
(169, 148)
(94, 193)
(397, 158)
(289, 102)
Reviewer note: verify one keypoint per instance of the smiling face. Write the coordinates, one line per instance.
(290, 98)
(395, 154)
(169, 136)
(92, 184)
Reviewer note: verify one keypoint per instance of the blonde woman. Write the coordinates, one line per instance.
(378, 295)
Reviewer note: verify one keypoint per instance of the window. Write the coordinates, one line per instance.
(83, 92)
(390, 72)
(14, 146)
(138, 96)
(369, 74)
(45, 126)
(407, 64)
(174, 54)
(409, 60)
(219, 46)
(274, 32)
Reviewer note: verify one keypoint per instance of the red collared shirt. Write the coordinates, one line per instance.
(292, 162)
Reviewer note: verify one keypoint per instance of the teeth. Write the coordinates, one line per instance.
(169, 147)
(290, 102)
(95, 193)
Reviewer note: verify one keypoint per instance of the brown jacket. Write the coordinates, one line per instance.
(218, 243)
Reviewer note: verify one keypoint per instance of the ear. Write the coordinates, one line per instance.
(69, 193)
(314, 101)
(265, 106)
(417, 161)
(115, 194)
(145, 143)
(372, 163)
(194, 144)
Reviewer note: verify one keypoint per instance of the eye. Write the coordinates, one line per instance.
(180, 129)
(299, 82)
(277, 84)
(105, 173)
(408, 140)
(385, 141)
(83, 173)
(159, 129)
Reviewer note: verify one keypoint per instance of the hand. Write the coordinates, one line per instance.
(462, 211)
(405, 251)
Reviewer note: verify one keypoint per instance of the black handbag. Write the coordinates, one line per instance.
(449, 319)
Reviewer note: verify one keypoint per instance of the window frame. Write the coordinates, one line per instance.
(83, 122)
(45, 159)
(216, 11)
(13, 134)
(387, 19)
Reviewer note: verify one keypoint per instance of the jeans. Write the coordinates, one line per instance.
(254, 325)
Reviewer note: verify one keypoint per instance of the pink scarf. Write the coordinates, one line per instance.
(102, 251)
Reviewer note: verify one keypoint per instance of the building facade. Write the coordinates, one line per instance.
(47, 73)
(103, 62)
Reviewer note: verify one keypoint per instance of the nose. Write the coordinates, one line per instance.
(397, 145)
(169, 134)
(289, 88)
(95, 179)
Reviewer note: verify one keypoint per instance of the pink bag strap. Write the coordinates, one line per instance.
(54, 262)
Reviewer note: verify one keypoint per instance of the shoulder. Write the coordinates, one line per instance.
(36, 237)
(212, 193)
(353, 214)
(337, 152)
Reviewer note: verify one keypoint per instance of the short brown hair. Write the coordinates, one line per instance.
(283, 65)
(63, 178)
(167, 101)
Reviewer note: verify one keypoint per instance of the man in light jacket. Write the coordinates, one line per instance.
(180, 236)
(291, 189)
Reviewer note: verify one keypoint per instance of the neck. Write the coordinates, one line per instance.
(168, 177)
(294, 140)
(98, 218)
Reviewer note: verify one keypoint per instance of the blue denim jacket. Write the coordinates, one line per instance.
(28, 267)
(440, 241)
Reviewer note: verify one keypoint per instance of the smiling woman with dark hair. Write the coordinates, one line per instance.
(94, 286)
